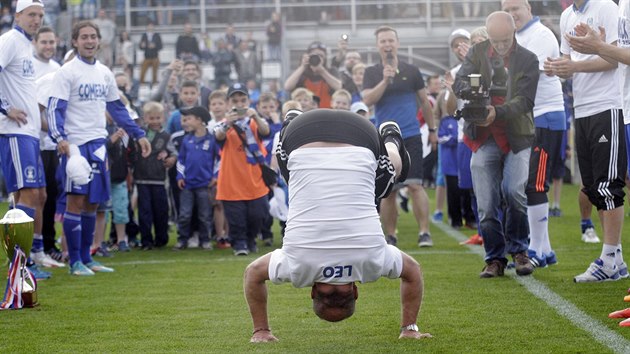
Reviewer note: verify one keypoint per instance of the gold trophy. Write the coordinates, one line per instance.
(16, 231)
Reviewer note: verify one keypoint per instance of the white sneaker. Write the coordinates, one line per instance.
(598, 272)
(44, 260)
(589, 236)
(193, 241)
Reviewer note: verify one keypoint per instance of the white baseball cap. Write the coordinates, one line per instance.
(359, 106)
(23, 4)
(458, 33)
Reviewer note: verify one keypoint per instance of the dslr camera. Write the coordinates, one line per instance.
(478, 95)
(314, 60)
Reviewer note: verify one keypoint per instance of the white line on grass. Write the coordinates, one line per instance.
(565, 308)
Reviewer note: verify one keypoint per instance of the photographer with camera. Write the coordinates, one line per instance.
(499, 79)
(313, 75)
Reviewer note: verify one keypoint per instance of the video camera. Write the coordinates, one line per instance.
(478, 96)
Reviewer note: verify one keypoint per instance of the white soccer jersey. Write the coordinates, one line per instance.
(624, 42)
(44, 67)
(44, 85)
(539, 39)
(86, 88)
(592, 92)
(333, 232)
(17, 83)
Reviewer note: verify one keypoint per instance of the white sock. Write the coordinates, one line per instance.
(538, 216)
(619, 256)
(608, 255)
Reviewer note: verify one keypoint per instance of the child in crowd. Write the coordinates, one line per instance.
(341, 99)
(189, 96)
(304, 97)
(150, 174)
(218, 103)
(195, 171)
(358, 71)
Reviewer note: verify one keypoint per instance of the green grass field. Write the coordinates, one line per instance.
(192, 301)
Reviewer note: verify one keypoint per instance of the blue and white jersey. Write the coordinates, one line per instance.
(17, 83)
(81, 94)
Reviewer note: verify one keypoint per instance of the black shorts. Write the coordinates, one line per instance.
(413, 144)
(334, 126)
(601, 153)
(545, 154)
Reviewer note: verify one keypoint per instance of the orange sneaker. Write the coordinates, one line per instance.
(475, 239)
(620, 314)
(626, 298)
(625, 323)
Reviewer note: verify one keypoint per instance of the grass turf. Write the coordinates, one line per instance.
(192, 301)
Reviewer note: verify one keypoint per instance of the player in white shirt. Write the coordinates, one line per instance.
(336, 166)
(550, 123)
(589, 40)
(600, 142)
(20, 121)
(84, 89)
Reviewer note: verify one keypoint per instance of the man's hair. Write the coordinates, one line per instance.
(218, 94)
(335, 306)
(343, 93)
(43, 29)
(121, 73)
(357, 67)
(190, 83)
(480, 31)
(153, 107)
(81, 25)
(190, 62)
(267, 97)
(380, 29)
(301, 91)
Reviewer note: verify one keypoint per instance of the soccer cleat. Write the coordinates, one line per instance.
(551, 258)
(623, 270)
(537, 262)
(475, 239)
(589, 236)
(97, 267)
(38, 273)
(625, 323)
(391, 129)
(80, 269)
(437, 217)
(625, 313)
(55, 254)
(44, 260)
(424, 240)
(391, 240)
(597, 272)
(404, 201)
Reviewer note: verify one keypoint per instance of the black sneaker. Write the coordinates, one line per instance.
(391, 240)
(55, 254)
(391, 129)
(424, 240)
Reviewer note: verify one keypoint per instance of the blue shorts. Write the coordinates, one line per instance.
(22, 164)
(464, 154)
(98, 190)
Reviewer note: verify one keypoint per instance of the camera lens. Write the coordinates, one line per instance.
(314, 60)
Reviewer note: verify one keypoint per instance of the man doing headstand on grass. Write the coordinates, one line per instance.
(338, 167)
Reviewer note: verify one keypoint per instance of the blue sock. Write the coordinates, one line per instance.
(587, 224)
(38, 241)
(88, 224)
(72, 229)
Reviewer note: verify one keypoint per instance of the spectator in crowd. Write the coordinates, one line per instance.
(189, 97)
(274, 37)
(187, 46)
(253, 91)
(125, 51)
(223, 59)
(167, 92)
(66, 119)
(6, 20)
(358, 72)
(151, 44)
(599, 140)
(304, 97)
(240, 184)
(205, 47)
(108, 36)
(394, 88)
(341, 99)
(149, 175)
(501, 144)
(195, 171)
(550, 124)
(231, 40)
(246, 62)
(191, 71)
(313, 74)
(51, 15)
(62, 49)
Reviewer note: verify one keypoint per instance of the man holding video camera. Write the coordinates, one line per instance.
(313, 75)
(499, 129)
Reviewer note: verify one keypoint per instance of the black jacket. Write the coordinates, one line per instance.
(118, 156)
(151, 53)
(150, 170)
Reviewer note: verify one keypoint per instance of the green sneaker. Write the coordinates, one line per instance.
(79, 268)
(97, 267)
